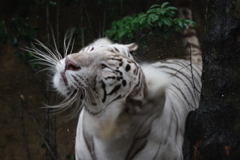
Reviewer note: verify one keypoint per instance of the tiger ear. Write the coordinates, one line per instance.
(132, 47)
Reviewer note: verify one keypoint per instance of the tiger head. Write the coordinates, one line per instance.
(100, 75)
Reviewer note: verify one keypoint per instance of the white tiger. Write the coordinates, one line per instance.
(130, 111)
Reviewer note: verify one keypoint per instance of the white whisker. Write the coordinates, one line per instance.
(72, 46)
(41, 55)
(47, 49)
(59, 56)
(68, 38)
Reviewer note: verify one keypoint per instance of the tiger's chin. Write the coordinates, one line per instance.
(60, 84)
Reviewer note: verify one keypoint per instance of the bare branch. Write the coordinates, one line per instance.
(25, 106)
(25, 139)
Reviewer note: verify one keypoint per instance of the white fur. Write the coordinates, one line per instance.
(101, 41)
(156, 81)
(162, 93)
(113, 132)
(164, 97)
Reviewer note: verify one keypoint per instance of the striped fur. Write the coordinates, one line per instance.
(129, 111)
(139, 123)
(154, 133)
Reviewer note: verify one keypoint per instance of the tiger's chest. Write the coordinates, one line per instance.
(138, 141)
(138, 138)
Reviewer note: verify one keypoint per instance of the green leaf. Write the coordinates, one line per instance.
(155, 6)
(143, 20)
(185, 25)
(121, 34)
(161, 11)
(166, 21)
(141, 15)
(160, 23)
(164, 4)
(170, 13)
(151, 11)
(149, 21)
(180, 23)
(172, 8)
(151, 16)
(155, 18)
(188, 21)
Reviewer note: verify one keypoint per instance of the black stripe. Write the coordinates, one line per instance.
(183, 95)
(193, 68)
(124, 82)
(104, 91)
(118, 72)
(117, 59)
(116, 49)
(112, 77)
(138, 145)
(132, 152)
(177, 71)
(118, 97)
(189, 68)
(134, 89)
(115, 89)
(187, 77)
(185, 85)
(185, 65)
(190, 79)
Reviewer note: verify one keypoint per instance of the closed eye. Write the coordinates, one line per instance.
(104, 66)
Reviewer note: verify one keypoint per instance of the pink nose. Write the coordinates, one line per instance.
(70, 65)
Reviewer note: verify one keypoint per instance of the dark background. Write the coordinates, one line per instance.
(26, 19)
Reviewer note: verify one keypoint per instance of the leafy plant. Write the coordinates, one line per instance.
(158, 20)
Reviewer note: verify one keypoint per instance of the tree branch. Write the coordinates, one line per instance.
(25, 106)
(25, 140)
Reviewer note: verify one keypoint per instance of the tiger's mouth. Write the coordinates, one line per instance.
(64, 78)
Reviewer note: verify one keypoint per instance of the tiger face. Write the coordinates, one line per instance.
(99, 75)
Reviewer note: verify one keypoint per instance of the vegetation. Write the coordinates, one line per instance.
(158, 20)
